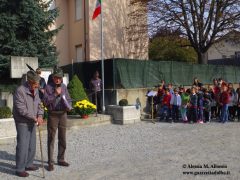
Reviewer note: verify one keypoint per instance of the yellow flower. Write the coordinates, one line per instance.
(84, 107)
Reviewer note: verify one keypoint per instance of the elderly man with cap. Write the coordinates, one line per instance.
(27, 113)
(57, 100)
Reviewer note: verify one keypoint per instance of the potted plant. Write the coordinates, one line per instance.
(84, 108)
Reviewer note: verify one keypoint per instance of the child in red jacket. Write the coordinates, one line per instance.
(224, 101)
(165, 106)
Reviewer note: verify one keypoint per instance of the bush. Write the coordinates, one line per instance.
(76, 91)
(123, 102)
(5, 112)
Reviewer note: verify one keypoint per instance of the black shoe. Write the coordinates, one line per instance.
(22, 174)
(32, 168)
(63, 163)
(50, 167)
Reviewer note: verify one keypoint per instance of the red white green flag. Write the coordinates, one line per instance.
(97, 10)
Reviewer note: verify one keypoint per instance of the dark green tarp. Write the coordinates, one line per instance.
(128, 73)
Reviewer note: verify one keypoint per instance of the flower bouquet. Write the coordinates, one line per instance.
(84, 108)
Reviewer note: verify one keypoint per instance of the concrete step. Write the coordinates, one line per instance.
(8, 129)
(92, 120)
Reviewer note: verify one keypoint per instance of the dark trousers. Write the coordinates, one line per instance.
(164, 112)
(238, 112)
(97, 96)
(232, 112)
(200, 113)
(56, 121)
(206, 116)
(26, 145)
(192, 114)
(175, 112)
(213, 111)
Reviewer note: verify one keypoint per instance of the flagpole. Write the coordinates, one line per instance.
(102, 60)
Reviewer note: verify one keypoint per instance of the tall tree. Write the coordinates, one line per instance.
(168, 45)
(25, 30)
(201, 21)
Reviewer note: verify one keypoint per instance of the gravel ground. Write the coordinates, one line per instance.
(142, 151)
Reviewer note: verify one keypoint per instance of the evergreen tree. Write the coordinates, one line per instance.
(25, 31)
(76, 89)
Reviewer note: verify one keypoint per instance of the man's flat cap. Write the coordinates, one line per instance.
(58, 72)
(33, 76)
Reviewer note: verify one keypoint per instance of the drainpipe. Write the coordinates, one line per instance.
(85, 30)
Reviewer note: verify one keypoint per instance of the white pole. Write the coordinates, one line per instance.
(102, 60)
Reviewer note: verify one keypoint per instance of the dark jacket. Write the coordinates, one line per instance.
(56, 103)
(207, 104)
(193, 101)
(26, 107)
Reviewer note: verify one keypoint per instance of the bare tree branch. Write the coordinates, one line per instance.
(202, 21)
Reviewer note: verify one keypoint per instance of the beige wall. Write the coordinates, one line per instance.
(76, 31)
(120, 35)
(123, 36)
(225, 47)
(62, 38)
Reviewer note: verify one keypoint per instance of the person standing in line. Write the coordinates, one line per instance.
(217, 92)
(232, 102)
(200, 105)
(96, 89)
(206, 105)
(50, 77)
(185, 96)
(164, 111)
(175, 104)
(196, 82)
(42, 83)
(193, 106)
(224, 102)
(27, 113)
(58, 102)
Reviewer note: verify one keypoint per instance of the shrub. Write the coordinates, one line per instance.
(123, 102)
(76, 91)
(5, 112)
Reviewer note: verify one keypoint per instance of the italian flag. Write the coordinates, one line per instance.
(97, 10)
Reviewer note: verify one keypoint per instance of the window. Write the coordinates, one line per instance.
(79, 53)
(78, 9)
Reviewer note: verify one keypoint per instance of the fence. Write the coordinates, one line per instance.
(128, 73)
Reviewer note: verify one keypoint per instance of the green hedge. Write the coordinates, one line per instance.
(5, 112)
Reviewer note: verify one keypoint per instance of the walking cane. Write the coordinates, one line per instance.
(40, 140)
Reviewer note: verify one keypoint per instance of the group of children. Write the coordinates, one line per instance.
(198, 104)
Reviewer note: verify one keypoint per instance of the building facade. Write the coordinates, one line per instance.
(125, 33)
(227, 47)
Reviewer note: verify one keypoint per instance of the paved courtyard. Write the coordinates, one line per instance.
(142, 151)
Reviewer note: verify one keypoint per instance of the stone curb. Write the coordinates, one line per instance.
(8, 130)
